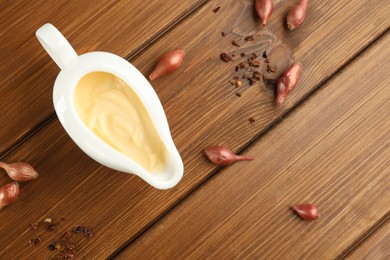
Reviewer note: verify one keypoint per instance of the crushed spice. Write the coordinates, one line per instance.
(249, 38)
(65, 248)
(215, 10)
(77, 229)
(254, 63)
(34, 241)
(251, 81)
(235, 43)
(51, 247)
(253, 56)
(51, 227)
(225, 57)
(249, 69)
(256, 75)
(238, 83)
(252, 120)
(34, 225)
(67, 235)
(271, 69)
(88, 233)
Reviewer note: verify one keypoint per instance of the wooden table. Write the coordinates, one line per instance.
(328, 144)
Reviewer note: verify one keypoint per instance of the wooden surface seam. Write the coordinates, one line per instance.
(378, 230)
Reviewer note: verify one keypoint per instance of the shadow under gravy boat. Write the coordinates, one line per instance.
(73, 68)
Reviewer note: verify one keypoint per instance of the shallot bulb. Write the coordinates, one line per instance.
(264, 10)
(306, 211)
(222, 156)
(297, 14)
(9, 193)
(168, 63)
(287, 82)
(19, 171)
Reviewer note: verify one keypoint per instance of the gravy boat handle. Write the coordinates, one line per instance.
(55, 45)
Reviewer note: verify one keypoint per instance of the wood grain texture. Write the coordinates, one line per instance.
(27, 72)
(376, 246)
(332, 151)
(202, 110)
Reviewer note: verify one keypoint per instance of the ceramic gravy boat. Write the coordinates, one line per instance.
(73, 68)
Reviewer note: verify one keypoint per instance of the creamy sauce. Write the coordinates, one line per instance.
(112, 110)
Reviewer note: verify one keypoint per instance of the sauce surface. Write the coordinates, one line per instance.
(113, 111)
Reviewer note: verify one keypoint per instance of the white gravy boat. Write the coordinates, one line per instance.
(73, 68)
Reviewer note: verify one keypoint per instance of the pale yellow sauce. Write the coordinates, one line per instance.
(112, 110)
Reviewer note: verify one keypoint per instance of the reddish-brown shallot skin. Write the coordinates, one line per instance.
(223, 156)
(19, 171)
(9, 193)
(306, 211)
(297, 14)
(264, 10)
(167, 63)
(287, 82)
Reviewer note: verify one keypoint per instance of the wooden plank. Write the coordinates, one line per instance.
(376, 246)
(333, 151)
(201, 108)
(28, 74)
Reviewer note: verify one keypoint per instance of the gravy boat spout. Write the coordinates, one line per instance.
(74, 68)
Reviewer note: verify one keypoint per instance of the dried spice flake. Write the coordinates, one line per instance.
(215, 10)
(238, 94)
(238, 83)
(77, 229)
(256, 75)
(243, 54)
(87, 233)
(67, 235)
(223, 34)
(34, 225)
(51, 247)
(34, 241)
(235, 43)
(265, 55)
(253, 56)
(51, 227)
(225, 57)
(254, 63)
(249, 38)
(252, 120)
